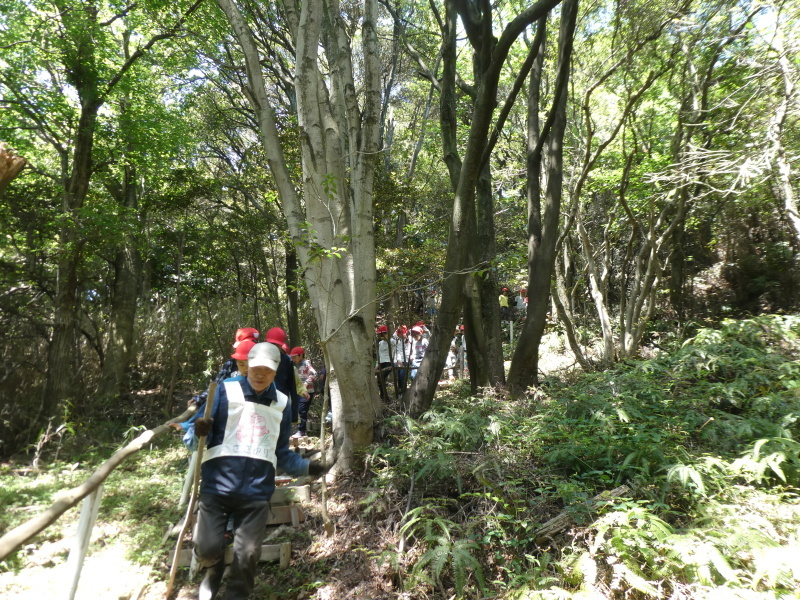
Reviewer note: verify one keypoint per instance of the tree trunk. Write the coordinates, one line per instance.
(80, 32)
(487, 283)
(781, 166)
(339, 145)
(543, 228)
(561, 301)
(292, 297)
(62, 373)
(464, 177)
(598, 294)
(114, 383)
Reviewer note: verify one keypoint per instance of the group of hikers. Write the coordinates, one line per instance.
(513, 309)
(261, 391)
(401, 355)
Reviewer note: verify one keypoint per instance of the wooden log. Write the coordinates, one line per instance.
(187, 482)
(564, 519)
(269, 552)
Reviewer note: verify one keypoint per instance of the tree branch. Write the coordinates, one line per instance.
(171, 32)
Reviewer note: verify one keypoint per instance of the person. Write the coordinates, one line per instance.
(419, 345)
(504, 314)
(460, 342)
(401, 348)
(229, 367)
(239, 359)
(286, 376)
(384, 358)
(426, 333)
(430, 306)
(450, 362)
(521, 303)
(307, 375)
(248, 438)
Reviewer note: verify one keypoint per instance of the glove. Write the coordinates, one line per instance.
(317, 469)
(202, 427)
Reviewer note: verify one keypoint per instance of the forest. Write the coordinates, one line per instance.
(171, 172)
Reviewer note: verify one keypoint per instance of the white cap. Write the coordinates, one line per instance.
(264, 355)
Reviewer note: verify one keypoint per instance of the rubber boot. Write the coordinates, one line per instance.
(210, 584)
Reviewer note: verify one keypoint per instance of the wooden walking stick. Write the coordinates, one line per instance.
(187, 521)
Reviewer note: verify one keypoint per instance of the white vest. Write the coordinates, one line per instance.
(252, 429)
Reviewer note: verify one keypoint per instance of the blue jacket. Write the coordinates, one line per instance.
(243, 477)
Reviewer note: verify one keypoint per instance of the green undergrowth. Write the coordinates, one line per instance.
(139, 499)
(704, 439)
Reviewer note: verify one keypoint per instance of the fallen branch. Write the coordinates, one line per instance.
(564, 519)
(187, 522)
(69, 498)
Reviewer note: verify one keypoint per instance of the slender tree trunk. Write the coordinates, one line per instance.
(780, 163)
(292, 297)
(62, 373)
(598, 294)
(543, 227)
(561, 301)
(177, 329)
(115, 382)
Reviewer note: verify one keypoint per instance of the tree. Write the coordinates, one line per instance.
(544, 164)
(331, 223)
(82, 57)
(464, 174)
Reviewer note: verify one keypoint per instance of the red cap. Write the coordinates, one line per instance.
(297, 351)
(247, 333)
(402, 330)
(505, 289)
(522, 290)
(383, 329)
(277, 336)
(416, 329)
(462, 328)
(243, 349)
(419, 324)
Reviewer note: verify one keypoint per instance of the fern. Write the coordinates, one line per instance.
(447, 553)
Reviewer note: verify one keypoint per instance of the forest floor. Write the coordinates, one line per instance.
(122, 564)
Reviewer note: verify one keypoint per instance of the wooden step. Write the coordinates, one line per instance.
(286, 513)
(291, 493)
(269, 552)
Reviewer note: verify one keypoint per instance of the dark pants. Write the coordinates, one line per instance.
(303, 412)
(249, 522)
(401, 380)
